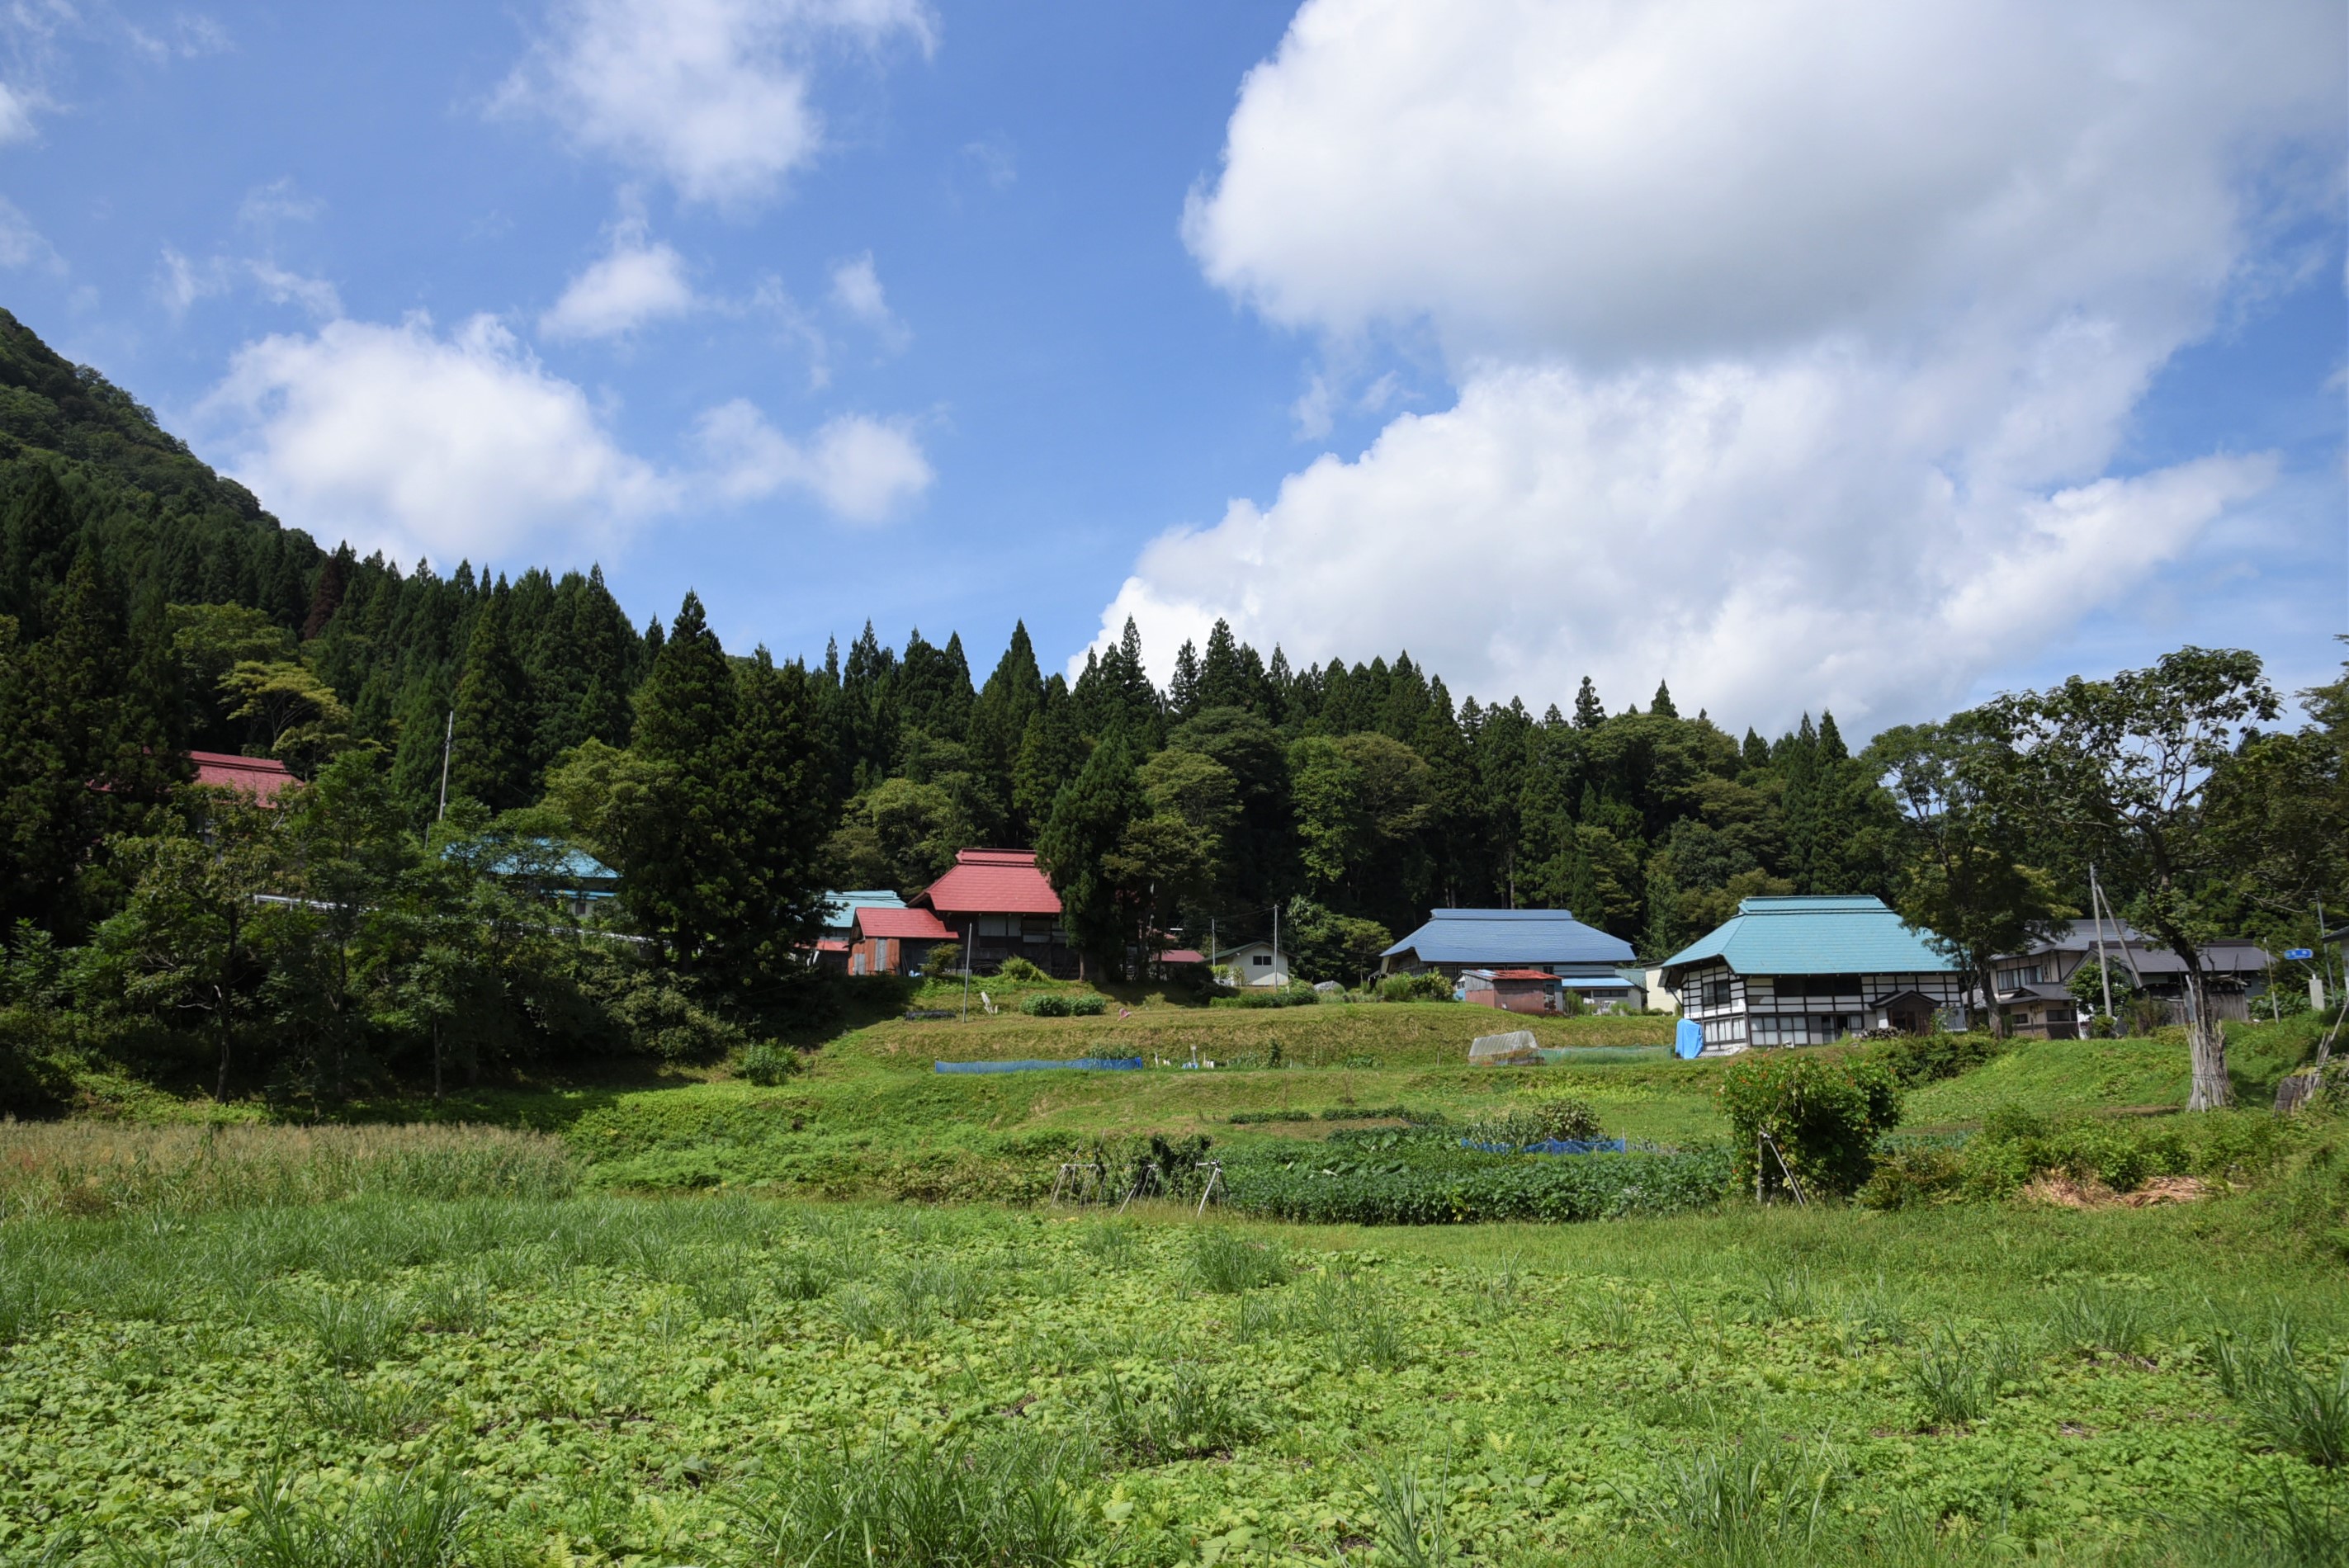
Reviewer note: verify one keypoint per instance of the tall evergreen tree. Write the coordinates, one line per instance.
(1087, 826)
(1662, 707)
(682, 887)
(1589, 714)
(491, 758)
(1182, 690)
(83, 753)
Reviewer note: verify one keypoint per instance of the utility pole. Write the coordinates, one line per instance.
(2104, 965)
(1275, 945)
(448, 744)
(970, 935)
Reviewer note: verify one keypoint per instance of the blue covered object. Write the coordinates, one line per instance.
(1554, 1145)
(1089, 1064)
(1688, 1040)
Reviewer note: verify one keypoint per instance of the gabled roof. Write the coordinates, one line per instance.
(1816, 935)
(1510, 936)
(263, 777)
(840, 908)
(910, 924)
(991, 882)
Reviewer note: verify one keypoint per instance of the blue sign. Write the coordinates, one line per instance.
(2298, 953)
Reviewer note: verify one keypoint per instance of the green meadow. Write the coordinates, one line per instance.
(833, 1320)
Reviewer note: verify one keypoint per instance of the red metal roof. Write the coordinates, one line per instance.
(831, 945)
(991, 882)
(1542, 975)
(1182, 956)
(263, 777)
(918, 925)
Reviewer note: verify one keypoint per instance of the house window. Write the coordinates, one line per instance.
(1262, 961)
(1818, 985)
(2021, 975)
(1769, 1029)
(1714, 994)
(994, 926)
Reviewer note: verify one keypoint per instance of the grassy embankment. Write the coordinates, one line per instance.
(869, 1118)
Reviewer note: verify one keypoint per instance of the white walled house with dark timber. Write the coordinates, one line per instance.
(1807, 971)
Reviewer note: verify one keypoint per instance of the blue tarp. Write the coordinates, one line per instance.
(1688, 1040)
(1089, 1064)
(1554, 1145)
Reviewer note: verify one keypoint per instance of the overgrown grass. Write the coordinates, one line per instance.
(673, 1382)
(83, 1168)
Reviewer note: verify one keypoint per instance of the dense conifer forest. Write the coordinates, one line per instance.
(149, 606)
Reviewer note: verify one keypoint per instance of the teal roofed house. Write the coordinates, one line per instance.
(1806, 971)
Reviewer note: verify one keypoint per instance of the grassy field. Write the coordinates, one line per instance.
(478, 1339)
(614, 1380)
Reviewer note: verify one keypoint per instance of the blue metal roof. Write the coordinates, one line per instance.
(1822, 935)
(840, 908)
(1503, 937)
(564, 861)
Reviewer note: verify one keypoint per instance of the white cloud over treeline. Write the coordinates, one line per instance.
(1796, 348)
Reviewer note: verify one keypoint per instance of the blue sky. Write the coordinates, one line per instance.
(1844, 365)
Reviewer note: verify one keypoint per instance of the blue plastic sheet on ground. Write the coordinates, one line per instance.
(1554, 1145)
(1688, 1040)
(1089, 1064)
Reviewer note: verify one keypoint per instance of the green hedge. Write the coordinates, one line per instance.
(1060, 1004)
(1425, 1177)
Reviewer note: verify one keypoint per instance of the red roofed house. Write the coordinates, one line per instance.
(1513, 990)
(263, 777)
(885, 941)
(1001, 905)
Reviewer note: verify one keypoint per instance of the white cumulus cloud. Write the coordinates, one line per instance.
(859, 468)
(856, 291)
(713, 95)
(1795, 346)
(403, 438)
(638, 281)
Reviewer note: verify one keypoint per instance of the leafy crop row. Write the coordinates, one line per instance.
(1426, 1178)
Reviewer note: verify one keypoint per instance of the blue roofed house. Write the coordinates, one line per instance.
(1806, 971)
(1455, 940)
(564, 874)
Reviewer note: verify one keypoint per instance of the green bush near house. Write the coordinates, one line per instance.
(1825, 1116)
(1060, 1004)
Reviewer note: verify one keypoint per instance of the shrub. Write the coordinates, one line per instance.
(1825, 1117)
(1913, 1177)
(1427, 986)
(1286, 997)
(1045, 1004)
(1091, 1004)
(1018, 970)
(943, 958)
(2010, 1123)
(1917, 1059)
(768, 1063)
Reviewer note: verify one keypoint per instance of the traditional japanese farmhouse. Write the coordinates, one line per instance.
(999, 904)
(1806, 971)
(2034, 987)
(1455, 940)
